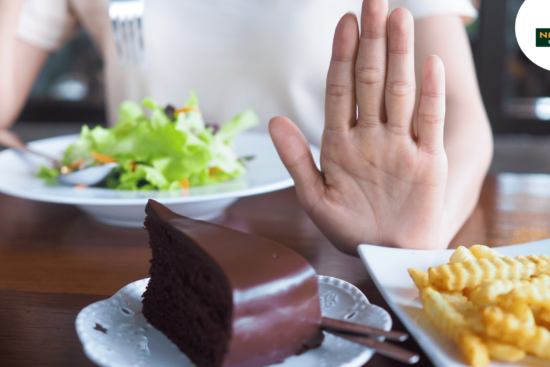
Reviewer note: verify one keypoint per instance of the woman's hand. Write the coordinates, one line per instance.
(9, 139)
(380, 183)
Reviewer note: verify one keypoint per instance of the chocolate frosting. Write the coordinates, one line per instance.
(276, 310)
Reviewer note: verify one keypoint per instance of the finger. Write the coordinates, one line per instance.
(431, 107)
(10, 140)
(400, 81)
(370, 66)
(294, 151)
(340, 110)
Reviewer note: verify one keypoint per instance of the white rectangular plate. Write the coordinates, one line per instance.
(388, 269)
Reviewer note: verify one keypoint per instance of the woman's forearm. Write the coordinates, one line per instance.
(469, 153)
(20, 63)
(468, 139)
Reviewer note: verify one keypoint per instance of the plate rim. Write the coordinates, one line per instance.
(275, 186)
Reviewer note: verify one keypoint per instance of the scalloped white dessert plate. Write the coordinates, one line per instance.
(114, 332)
(265, 173)
(388, 269)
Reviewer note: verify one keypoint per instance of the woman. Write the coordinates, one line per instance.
(274, 55)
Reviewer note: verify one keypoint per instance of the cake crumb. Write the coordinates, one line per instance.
(100, 328)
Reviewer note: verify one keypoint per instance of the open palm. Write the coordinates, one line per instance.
(380, 182)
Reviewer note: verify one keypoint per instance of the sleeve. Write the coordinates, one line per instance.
(46, 24)
(426, 8)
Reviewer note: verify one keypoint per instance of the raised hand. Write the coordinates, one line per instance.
(380, 183)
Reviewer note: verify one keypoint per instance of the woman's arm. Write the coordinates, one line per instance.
(468, 139)
(20, 64)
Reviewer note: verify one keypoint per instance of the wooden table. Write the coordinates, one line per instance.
(54, 260)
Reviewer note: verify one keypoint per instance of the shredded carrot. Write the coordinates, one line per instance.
(74, 165)
(102, 158)
(134, 165)
(186, 109)
(80, 186)
(184, 184)
(214, 170)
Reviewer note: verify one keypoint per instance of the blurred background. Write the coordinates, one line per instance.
(516, 92)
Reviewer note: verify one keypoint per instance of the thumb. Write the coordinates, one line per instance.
(294, 151)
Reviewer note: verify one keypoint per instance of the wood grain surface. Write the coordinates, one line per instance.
(54, 260)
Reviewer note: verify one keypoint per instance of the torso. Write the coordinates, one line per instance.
(271, 54)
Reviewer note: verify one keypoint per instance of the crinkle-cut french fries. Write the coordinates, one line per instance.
(535, 291)
(483, 252)
(544, 315)
(489, 290)
(541, 315)
(537, 287)
(456, 277)
(419, 278)
(504, 352)
(519, 308)
(455, 326)
(448, 320)
(490, 305)
(461, 254)
(467, 309)
(507, 328)
(474, 350)
(543, 263)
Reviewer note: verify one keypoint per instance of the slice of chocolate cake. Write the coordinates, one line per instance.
(227, 298)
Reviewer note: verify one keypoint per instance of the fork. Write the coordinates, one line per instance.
(126, 16)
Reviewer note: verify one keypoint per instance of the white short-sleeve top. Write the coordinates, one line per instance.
(270, 54)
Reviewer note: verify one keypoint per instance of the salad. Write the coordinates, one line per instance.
(171, 149)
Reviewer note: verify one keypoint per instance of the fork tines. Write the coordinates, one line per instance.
(126, 16)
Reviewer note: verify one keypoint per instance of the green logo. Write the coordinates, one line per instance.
(543, 37)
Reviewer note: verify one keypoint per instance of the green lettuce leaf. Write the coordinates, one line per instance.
(243, 121)
(48, 174)
(155, 153)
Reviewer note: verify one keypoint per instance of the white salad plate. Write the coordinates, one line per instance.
(265, 173)
(388, 269)
(114, 332)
